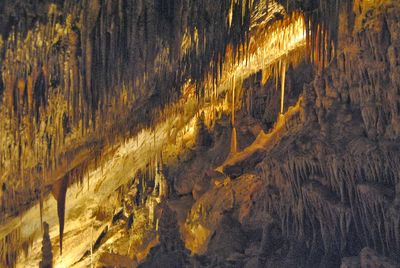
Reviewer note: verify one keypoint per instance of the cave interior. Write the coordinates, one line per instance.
(200, 133)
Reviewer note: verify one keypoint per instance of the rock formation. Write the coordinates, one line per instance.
(181, 133)
(47, 255)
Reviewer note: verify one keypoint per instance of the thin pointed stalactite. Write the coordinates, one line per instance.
(283, 80)
(234, 134)
(322, 22)
(59, 191)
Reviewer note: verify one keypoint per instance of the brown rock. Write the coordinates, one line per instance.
(114, 260)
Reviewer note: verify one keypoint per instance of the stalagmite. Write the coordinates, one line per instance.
(91, 246)
(41, 201)
(47, 255)
(234, 141)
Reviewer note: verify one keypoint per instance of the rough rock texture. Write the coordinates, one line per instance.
(115, 260)
(367, 258)
(331, 183)
(336, 180)
(47, 255)
(78, 76)
(171, 251)
(322, 185)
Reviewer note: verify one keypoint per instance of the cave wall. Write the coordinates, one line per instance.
(340, 172)
(101, 69)
(79, 75)
(328, 188)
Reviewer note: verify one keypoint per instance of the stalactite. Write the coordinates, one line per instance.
(234, 135)
(59, 191)
(365, 203)
(283, 80)
(322, 22)
(9, 247)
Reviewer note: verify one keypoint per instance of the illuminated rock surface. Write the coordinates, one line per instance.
(180, 133)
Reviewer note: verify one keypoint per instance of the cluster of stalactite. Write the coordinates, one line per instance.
(333, 187)
(9, 249)
(343, 187)
(258, 94)
(81, 67)
(345, 202)
(322, 22)
(92, 71)
(84, 66)
(377, 64)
